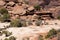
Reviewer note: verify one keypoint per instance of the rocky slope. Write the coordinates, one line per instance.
(20, 7)
(25, 4)
(49, 3)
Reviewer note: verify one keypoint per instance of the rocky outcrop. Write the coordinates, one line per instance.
(21, 7)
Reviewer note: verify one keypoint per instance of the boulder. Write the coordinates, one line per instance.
(18, 10)
(11, 3)
(31, 8)
(2, 3)
(25, 6)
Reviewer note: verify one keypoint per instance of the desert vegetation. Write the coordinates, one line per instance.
(51, 33)
(4, 15)
(16, 23)
(7, 33)
(37, 7)
(10, 38)
(28, 16)
(58, 17)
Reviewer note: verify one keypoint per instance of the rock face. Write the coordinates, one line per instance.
(45, 3)
(40, 2)
(22, 7)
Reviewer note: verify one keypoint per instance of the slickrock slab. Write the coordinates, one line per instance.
(31, 32)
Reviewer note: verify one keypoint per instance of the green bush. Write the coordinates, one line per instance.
(5, 15)
(12, 38)
(37, 7)
(16, 23)
(3, 11)
(7, 33)
(51, 33)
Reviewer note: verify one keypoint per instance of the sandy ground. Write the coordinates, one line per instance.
(22, 32)
(3, 25)
(30, 31)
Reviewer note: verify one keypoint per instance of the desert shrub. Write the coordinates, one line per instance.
(16, 23)
(1, 19)
(58, 17)
(3, 11)
(6, 39)
(5, 16)
(38, 22)
(37, 7)
(7, 33)
(12, 38)
(51, 33)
